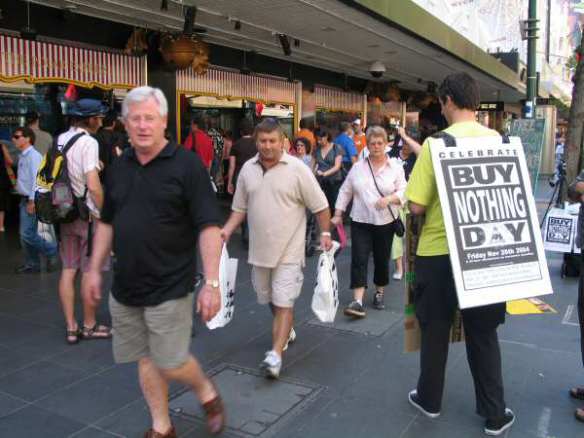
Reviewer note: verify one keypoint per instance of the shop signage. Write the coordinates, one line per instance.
(493, 234)
(492, 106)
(233, 85)
(38, 61)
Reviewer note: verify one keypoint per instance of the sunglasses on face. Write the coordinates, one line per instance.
(17, 136)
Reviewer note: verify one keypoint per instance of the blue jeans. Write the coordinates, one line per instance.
(30, 240)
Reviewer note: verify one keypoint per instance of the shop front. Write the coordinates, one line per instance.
(222, 98)
(34, 76)
(334, 106)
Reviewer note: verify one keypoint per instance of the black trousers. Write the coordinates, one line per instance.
(436, 302)
(367, 238)
(581, 305)
(331, 191)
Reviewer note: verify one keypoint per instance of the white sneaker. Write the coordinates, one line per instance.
(291, 339)
(397, 275)
(271, 365)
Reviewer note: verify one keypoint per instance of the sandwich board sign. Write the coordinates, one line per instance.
(494, 240)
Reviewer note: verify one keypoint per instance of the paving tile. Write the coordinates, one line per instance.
(14, 359)
(91, 399)
(256, 406)
(92, 356)
(38, 380)
(92, 432)
(33, 421)
(9, 404)
(16, 304)
(423, 427)
(348, 418)
(375, 324)
(14, 331)
(134, 419)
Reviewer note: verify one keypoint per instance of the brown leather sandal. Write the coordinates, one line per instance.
(151, 433)
(215, 413)
(96, 332)
(73, 337)
(577, 393)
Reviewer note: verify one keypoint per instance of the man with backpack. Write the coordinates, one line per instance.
(32, 244)
(435, 296)
(81, 151)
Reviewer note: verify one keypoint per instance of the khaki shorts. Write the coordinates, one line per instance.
(162, 333)
(280, 286)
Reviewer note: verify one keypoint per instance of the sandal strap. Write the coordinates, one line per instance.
(96, 329)
(214, 406)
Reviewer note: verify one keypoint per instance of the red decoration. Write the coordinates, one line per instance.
(71, 93)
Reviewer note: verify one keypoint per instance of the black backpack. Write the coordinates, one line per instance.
(55, 201)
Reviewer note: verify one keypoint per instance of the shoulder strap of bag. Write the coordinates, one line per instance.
(70, 143)
(449, 140)
(377, 187)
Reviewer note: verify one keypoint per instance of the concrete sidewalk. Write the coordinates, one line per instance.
(350, 379)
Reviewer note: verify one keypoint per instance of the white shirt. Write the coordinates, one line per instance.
(360, 187)
(83, 157)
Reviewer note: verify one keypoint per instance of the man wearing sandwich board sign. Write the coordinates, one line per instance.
(481, 239)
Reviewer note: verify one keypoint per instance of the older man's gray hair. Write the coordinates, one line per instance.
(141, 94)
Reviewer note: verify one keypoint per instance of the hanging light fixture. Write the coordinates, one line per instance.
(27, 32)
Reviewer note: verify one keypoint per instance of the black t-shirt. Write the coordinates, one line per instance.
(408, 163)
(156, 211)
(244, 149)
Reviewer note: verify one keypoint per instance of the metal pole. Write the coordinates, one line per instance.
(532, 29)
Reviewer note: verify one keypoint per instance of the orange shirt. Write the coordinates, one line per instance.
(307, 133)
(360, 141)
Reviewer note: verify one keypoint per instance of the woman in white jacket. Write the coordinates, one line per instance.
(376, 185)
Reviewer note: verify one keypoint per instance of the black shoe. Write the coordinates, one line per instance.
(414, 400)
(355, 309)
(378, 301)
(52, 264)
(27, 269)
(496, 426)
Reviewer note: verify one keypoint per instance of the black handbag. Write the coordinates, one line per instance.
(398, 226)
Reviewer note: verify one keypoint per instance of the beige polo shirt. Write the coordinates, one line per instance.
(275, 202)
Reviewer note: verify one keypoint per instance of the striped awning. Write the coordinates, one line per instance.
(38, 61)
(233, 85)
(334, 99)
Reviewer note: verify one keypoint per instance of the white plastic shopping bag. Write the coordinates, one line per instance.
(325, 300)
(47, 232)
(227, 277)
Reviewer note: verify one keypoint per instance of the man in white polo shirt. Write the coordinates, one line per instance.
(83, 167)
(274, 190)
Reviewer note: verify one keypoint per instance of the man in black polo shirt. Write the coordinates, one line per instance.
(158, 198)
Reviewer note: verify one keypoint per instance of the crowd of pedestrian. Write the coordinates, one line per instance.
(151, 203)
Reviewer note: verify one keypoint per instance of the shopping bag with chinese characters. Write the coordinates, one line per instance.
(227, 277)
(325, 300)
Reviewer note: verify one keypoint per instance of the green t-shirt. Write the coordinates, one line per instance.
(422, 190)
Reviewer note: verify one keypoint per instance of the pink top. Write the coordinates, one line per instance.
(360, 187)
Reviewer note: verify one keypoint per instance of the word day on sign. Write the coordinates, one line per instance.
(491, 222)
